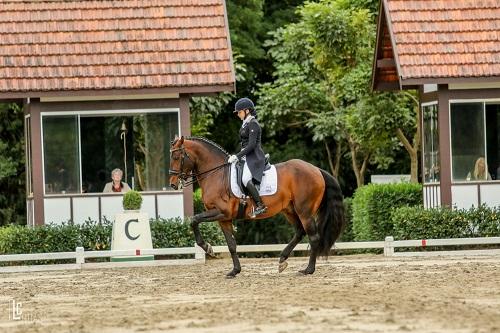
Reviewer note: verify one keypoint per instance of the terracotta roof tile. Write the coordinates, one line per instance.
(445, 38)
(78, 45)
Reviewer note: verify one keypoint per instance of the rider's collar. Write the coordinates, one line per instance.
(247, 120)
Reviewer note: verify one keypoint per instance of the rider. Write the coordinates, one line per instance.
(251, 151)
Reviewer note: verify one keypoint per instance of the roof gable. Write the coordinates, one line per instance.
(102, 45)
(439, 40)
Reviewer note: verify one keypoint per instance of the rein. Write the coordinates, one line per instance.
(195, 177)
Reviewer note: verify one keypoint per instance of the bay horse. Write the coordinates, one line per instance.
(309, 197)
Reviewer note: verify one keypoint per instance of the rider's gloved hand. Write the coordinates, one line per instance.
(232, 159)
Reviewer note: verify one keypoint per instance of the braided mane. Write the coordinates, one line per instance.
(209, 142)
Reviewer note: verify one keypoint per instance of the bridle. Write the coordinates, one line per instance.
(184, 176)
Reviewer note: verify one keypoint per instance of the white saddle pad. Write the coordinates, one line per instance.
(268, 186)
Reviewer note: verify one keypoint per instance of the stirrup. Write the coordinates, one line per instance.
(257, 211)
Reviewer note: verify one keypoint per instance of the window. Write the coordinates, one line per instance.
(61, 157)
(431, 143)
(475, 141)
(91, 146)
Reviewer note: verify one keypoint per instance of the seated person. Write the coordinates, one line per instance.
(480, 171)
(116, 185)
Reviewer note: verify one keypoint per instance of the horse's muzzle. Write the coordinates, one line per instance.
(174, 186)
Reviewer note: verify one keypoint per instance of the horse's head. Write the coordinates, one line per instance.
(181, 164)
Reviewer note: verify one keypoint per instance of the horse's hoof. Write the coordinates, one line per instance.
(232, 274)
(306, 271)
(282, 266)
(210, 251)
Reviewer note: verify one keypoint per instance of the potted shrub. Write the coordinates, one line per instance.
(132, 200)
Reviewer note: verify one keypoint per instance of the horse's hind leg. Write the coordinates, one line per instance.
(227, 229)
(313, 234)
(299, 234)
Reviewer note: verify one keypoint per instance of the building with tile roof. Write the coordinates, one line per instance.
(102, 69)
(449, 51)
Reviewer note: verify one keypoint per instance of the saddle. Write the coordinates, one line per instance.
(239, 173)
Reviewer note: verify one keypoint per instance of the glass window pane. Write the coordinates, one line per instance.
(431, 143)
(61, 154)
(106, 145)
(152, 135)
(137, 144)
(467, 138)
(493, 139)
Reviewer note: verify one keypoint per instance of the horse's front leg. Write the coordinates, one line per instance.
(209, 215)
(227, 229)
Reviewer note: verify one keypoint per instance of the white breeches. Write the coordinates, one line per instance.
(247, 175)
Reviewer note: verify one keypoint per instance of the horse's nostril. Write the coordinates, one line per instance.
(173, 186)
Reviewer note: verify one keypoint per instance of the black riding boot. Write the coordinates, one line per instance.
(260, 209)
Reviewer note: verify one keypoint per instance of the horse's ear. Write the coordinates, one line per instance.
(181, 140)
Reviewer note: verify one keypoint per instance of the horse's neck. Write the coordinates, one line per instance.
(206, 158)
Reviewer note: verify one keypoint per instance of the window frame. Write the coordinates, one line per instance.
(97, 113)
(483, 101)
(422, 106)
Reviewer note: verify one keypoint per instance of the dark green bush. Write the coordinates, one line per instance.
(132, 200)
(178, 233)
(419, 223)
(273, 230)
(347, 235)
(372, 206)
(97, 236)
(199, 207)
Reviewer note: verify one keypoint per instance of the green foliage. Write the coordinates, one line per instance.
(97, 236)
(198, 204)
(178, 233)
(55, 238)
(132, 200)
(322, 82)
(373, 204)
(12, 165)
(273, 230)
(204, 110)
(347, 235)
(420, 223)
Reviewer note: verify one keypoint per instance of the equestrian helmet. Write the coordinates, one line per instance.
(244, 103)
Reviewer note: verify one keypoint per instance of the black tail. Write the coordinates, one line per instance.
(331, 220)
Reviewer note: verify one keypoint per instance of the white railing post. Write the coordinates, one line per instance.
(199, 253)
(80, 259)
(389, 246)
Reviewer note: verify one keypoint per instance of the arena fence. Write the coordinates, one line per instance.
(388, 246)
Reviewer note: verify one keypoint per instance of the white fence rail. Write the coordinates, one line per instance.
(389, 246)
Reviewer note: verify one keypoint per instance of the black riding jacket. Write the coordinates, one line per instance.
(250, 136)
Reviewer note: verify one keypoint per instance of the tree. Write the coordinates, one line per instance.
(12, 165)
(322, 81)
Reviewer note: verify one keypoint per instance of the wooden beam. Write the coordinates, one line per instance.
(386, 62)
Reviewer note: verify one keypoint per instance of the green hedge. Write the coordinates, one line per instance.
(372, 206)
(97, 236)
(420, 223)
(347, 235)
